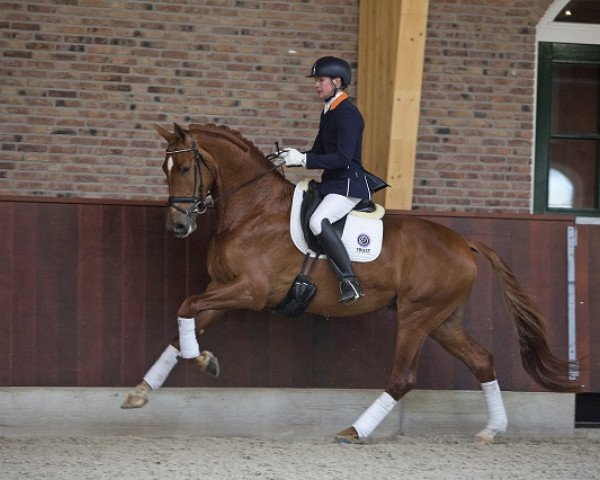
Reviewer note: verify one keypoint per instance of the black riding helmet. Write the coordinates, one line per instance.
(332, 67)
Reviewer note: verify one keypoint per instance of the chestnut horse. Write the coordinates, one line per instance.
(425, 272)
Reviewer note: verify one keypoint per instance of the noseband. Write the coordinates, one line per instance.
(198, 199)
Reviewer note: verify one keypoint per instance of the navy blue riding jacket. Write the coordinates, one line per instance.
(337, 150)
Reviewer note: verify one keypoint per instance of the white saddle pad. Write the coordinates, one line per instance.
(362, 236)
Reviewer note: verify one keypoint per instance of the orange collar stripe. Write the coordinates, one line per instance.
(338, 100)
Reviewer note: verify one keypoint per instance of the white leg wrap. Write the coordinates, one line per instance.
(492, 396)
(373, 416)
(187, 338)
(158, 373)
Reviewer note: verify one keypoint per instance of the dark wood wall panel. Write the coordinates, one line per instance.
(90, 294)
(588, 304)
(24, 295)
(7, 288)
(89, 299)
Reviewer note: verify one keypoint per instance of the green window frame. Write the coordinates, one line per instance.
(551, 56)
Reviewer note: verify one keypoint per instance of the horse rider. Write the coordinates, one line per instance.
(336, 150)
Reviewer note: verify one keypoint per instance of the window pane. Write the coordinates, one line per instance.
(572, 181)
(575, 98)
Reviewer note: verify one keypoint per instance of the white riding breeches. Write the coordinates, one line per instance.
(333, 207)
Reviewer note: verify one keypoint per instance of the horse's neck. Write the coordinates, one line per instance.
(248, 190)
(244, 186)
(258, 202)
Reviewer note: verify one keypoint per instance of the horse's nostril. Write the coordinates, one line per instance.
(179, 228)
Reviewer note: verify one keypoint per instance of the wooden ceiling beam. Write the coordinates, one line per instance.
(390, 72)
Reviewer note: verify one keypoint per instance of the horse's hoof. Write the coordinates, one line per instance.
(135, 400)
(486, 436)
(208, 363)
(349, 436)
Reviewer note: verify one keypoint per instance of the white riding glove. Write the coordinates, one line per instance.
(293, 158)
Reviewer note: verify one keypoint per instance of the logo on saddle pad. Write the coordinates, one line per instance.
(363, 241)
(362, 232)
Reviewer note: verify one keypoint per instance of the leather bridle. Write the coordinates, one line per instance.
(198, 198)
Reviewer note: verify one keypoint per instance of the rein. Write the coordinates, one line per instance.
(246, 183)
(198, 201)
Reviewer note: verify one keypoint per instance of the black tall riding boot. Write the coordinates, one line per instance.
(338, 256)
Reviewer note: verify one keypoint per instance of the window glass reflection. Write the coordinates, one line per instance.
(574, 163)
(560, 190)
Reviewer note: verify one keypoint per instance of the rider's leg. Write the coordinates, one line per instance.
(333, 208)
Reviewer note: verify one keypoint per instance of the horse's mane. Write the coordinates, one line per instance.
(224, 131)
(234, 137)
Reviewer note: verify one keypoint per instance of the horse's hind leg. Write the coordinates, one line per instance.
(156, 376)
(452, 336)
(410, 337)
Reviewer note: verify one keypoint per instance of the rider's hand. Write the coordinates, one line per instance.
(293, 158)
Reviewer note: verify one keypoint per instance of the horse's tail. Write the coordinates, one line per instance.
(538, 360)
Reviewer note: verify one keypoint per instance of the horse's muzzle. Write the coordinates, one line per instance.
(180, 230)
(181, 225)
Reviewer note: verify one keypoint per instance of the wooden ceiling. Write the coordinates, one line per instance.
(580, 11)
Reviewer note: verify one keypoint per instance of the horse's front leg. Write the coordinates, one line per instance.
(235, 295)
(241, 293)
(195, 314)
(160, 370)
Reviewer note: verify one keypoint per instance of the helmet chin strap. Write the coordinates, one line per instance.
(335, 91)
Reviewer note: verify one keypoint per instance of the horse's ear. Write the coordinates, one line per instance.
(163, 132)
(180, 132)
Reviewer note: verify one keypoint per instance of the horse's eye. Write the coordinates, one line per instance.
(184, 170)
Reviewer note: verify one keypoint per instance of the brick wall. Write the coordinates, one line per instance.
(82, 82)
(476, 127)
